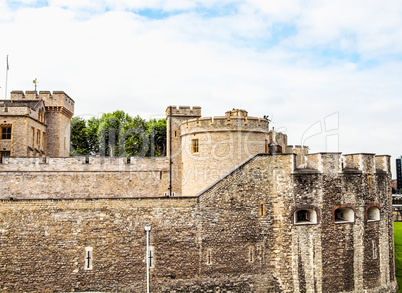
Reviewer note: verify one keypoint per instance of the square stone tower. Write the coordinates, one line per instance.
(48, 130)
(59, 111)
(174, 117)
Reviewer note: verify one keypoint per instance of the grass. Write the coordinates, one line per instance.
(398, 253)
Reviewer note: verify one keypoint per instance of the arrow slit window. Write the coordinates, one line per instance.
(88, 258)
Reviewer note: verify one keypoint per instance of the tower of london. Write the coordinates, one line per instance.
(231, 208)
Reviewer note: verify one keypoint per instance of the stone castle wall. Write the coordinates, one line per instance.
(244, 219)
(242, 226)
(23, 178)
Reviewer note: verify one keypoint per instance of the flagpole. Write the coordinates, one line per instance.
(5, 95)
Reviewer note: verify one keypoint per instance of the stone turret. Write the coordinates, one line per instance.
(59, 109)
(174, 118)
(212, 146)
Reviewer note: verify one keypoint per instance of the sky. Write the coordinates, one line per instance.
(328, 73)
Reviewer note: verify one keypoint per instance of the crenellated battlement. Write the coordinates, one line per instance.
(297, 149)
(330, 163)
(300, 151)
(83, 164)
(58, 101)
(362, 162)
(223, 123)
(333, 163)
(183, 111)
(383, 163)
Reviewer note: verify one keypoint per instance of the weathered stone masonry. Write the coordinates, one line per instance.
(276, 222)
(43, 241)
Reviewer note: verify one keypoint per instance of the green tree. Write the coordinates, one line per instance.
(93, 139)
(156, 130)
(79, 137)
(110, 130)
(134, 140)
(119, 134)
(84, 136)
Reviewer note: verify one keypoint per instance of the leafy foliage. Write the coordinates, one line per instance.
(79, 137)
(118, 134)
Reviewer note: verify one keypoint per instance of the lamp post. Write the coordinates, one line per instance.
(147, 229)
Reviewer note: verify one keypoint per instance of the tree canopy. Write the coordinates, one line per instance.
(118, 134)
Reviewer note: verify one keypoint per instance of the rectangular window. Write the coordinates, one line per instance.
(88, 258)
(261, 211)
(44, 141)
(6, 132)
(303, 216)
(209, 257)
(4, 154)
(151, 257)
(33, 137)
(339, 215)
(38, 138)
(194, 146)
(251, 254)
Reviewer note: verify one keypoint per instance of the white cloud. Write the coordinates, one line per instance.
(117, 59)
(369, 27)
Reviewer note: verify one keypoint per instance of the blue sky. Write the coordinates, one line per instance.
(298, 61)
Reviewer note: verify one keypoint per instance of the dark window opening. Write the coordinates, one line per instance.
(4, 154)
(261, 211)
(88, 258)
(344, 215)
(209, 257)
(306, 216)
(151, 257)
(339, 215)
(6, 132)
(303, 216)
(194, 146)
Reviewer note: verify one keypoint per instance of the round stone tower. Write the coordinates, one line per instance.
(211, 147)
